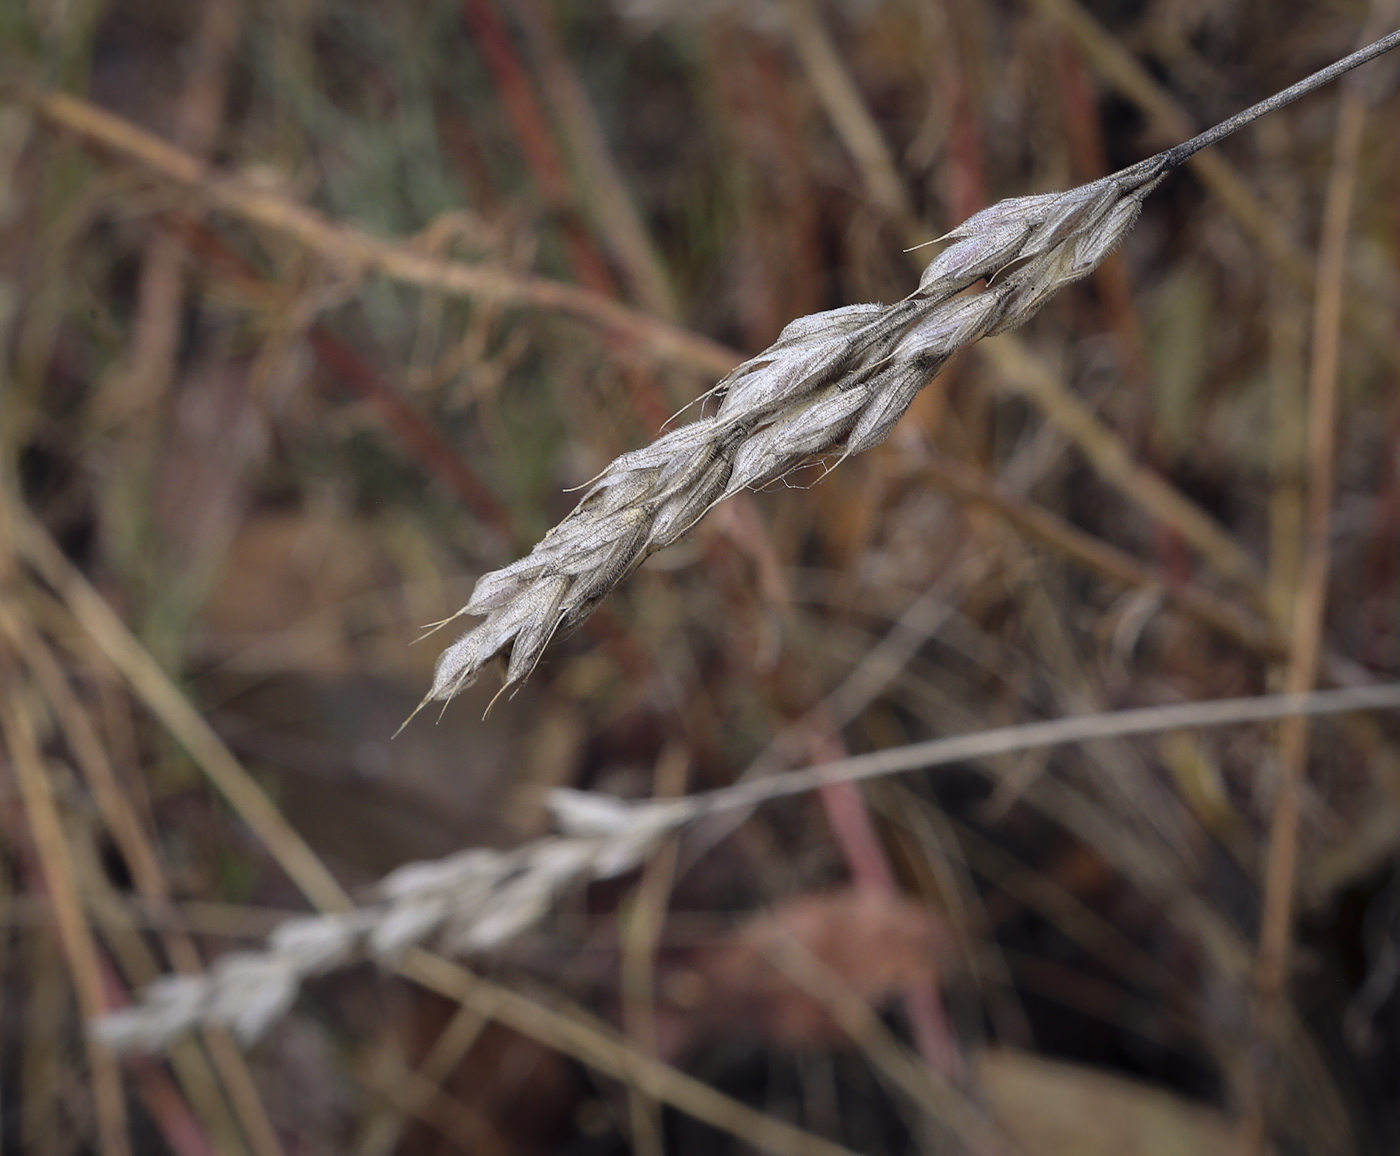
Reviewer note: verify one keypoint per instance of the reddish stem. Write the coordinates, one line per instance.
(414, 432)
(531, 125)
(871, 871)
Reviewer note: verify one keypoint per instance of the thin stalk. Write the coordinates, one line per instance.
(1052, 733)
(1178, 155)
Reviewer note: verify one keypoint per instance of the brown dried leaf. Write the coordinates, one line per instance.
(875, 945)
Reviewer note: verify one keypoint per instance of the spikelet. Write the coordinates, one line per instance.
(834, 383)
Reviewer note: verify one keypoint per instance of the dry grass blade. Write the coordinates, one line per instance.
(414, 1090)
(127, 832)
(1097, 555)
(922, 1083)
(574, 1033)
(1113, 461)
(75, 933)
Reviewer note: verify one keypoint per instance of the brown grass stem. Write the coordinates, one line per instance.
(130, 964)
(74, 931)
(154, 687)
(576, 1034)
(410, 1093)
(640, 927)
(418, 1092)
(924, 1084)
(1310, 602)
(141, 859)
(1113, 461)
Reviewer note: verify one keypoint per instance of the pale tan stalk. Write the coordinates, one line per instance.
(128, 833)
(74, 931)
(354, 252)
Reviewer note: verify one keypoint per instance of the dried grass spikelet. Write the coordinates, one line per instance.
(833, 383)
(470, 902)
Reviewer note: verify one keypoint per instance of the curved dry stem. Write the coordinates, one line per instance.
(356, 251)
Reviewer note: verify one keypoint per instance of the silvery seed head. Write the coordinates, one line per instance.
(470, 902)
(833, 383)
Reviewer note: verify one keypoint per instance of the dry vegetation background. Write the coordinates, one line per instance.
(278, 412)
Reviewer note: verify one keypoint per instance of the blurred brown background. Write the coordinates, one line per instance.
(281, 411)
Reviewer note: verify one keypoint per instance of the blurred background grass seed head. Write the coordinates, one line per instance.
(313, 312)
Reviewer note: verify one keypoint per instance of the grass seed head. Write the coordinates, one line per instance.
(833, 382)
